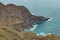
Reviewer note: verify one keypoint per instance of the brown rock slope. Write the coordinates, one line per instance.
(11, 34)
(8, 33)
(17, 17)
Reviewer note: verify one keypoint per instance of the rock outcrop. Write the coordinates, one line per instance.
(17, 17)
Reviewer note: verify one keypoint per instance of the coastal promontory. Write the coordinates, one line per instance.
(18, 17)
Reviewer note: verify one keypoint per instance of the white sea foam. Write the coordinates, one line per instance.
(37, 34)
(49, 19)
(49, 34)
(33, 13)
(43, 34)
(31, 29)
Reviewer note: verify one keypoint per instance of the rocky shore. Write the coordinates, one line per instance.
(14, 19)
(18, 17)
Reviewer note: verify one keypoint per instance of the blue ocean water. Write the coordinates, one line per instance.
(50, 26)
(52, 11)
(46, 8)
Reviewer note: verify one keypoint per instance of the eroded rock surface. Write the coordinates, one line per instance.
(17, 17)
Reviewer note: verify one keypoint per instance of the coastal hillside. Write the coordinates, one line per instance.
(8, 33)
(17, 17)
(11, 34)
(14, 19)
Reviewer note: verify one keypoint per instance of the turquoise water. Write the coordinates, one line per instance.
(46, 8)
(51, 26)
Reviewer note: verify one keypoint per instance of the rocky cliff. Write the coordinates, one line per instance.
(17, 17)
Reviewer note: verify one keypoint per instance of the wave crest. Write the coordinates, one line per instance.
(43, 34)
(49, 19)
(31, 29)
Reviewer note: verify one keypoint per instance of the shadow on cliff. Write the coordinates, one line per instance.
(18, 17)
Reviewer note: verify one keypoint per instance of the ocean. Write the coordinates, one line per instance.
(52, 11)
(52, 26)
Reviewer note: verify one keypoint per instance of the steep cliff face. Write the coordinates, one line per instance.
(17, 17)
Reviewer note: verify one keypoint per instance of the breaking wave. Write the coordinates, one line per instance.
(43, 34)
(49, 19)
(31, 29)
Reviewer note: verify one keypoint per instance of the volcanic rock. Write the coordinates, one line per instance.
(18, 17)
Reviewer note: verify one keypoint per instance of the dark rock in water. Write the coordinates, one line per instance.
(38, 18)
(17, 17)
